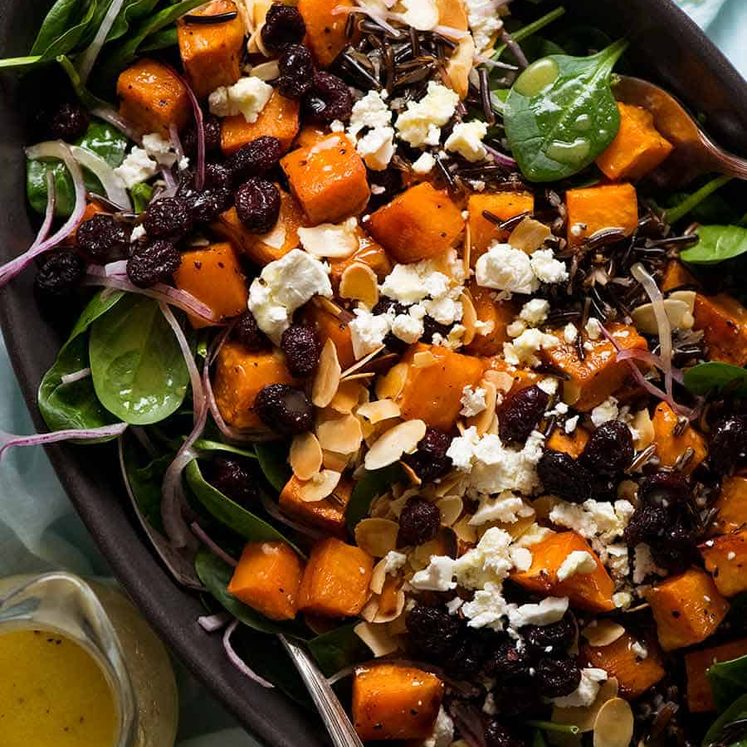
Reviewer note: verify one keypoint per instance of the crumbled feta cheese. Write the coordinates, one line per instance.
(550, 386)
(371, 111)
(546, 612)
(248, 96)
(336, 241)
(137, 167)
(488, 562)
(377, 148)
(622, 599)
(570, 333)
(454, 605)
(420, 14)
(466, 140)
(284, 286)
(489, 706)
(605, 412)
(138, 233)
(484, 21)
(424, 164)
(487, 609)
(420, 124)
(473, 401)
(506, 507)
(160, 149)
(522, 351)
(411, 283)
(535, 534)
(587, 690)
(593, 328)
(571, 424)
(547, 268)
(504, 268)
(443, 731)
(521, 557)
(407, 328)
(437, 576)
(644, 565)
(593, 520)
(367, 331)
(639, 650)
(516, 327)
(578, 562)
(393, 561)
(616, 559)
(535, 312)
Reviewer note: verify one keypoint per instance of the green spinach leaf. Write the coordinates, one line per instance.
(141, 196)
(690, 203)
(337, 649)
(145, 476)
(717, 244)
(724, 730)
(561, 114)
(75, 405)
(162, 39)
(367, 488)
(64, 28)
(138, 370)
(714, 376)
(273, 461)
(203, 444)
(132, 12)
(728, 680)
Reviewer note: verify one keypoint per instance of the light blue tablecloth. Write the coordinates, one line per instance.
(39, 530)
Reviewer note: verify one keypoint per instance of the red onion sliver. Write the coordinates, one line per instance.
(111, 269)
(11, 441)
(176, 142)
(647, 357)
(501, 158)
(344, 10)
(272, 509)
(212, 623)
(115, 119)
(199, 128)
(238, 662)
(113, 185)
(211, 545)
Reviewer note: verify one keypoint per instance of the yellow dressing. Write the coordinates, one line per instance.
(52, 692)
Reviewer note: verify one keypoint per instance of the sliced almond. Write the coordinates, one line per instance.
(391, 384)
(378, 577)
(464, 531)
(483, 419)
(347, 397)
(376, 536)
(360, 376)
(334, 461)
(450, 508)
(459, 66)
(614, 724)
(584, 717)
(423, 359)
(343, 435)
(377, 638)
(503, 381)
(679, 312)
(602, 632)
(467, 248)
(328, 376)
(644, 429)
(469, 318)
(305, 456)
(412, 475)
(363, 362)
(320, 486)
(389, 448)
(359, 282)
(387, 614)
(380, 409)
(266, 70)
(529, 235)
(330, 307)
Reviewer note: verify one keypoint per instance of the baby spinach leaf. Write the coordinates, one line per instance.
(145, 476)
(717, 244)
(369, 487)
(132, 11)
(273, 461)
(138, 370)
(337, 649)
(215, 575)
(689, 203)
(203, 444)
(141, 196)
(729, 728)
(21, 64)
(728, 680)
(561, 114)
(160, 40)
(714, 376)
(64, 28)
(75, 405)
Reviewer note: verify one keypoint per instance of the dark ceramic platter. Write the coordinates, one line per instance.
(666, 47)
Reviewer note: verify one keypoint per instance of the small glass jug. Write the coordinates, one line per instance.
(106, 626)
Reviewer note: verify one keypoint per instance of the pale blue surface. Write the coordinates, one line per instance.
(39, 530)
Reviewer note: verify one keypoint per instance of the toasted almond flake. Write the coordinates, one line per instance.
(331, 307)
(320, 486)
(347, 397)
(469, 318)
(371, 609)
(644, 429)
(384, 615)
(343, 435)
(266, 71)
(450, 508)
(529, 235)
(518, 527)
(378, 577)
(377, 638)
(584, 717)
(305, 456)
(380, 409)
(389, 448)
(467, 249)
(334, 461)
(391, 384)
(412, 475)
(602, 632)
(363, 362)
(500, 379)
(448, 484)
(360, 283)
(614, 724)
(483, 419)
(376, 536)
(328, 375)
(423, 359)
(360, 376)
(421, 555)
(464, 531)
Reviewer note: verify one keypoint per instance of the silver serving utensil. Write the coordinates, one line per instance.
(694, 152)
(338, 724)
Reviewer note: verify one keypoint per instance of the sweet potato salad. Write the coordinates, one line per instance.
(408, 353)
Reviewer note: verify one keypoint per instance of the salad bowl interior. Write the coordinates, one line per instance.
(666, 47)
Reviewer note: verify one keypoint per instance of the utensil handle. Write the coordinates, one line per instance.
(338, 724)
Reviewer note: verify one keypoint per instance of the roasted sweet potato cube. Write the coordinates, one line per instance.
(725, 558)
(152, 98)
(731, 506)
(697, 664)
(328, 179)
(502, 206)
(336, 580)
(214, 277)
(278, 119)
(417, 224)
(569, 443)
(496, 314)
(333, 327)
(724, 323)
(268, 247)
(591, 380)
(433, 389)
(677, 276)
(638, 147)
(267, 579)
(598, 208)
(325, 28)
(621, 659)
(391, 701)
(327, 514)
(687, 609)
(670, 447)
(587, 591)
(211, 52)
(239, 376)
(369, 253)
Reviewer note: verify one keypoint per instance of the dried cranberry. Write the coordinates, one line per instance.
(558, 677)
(665, 489)
(431, 327)
(248, 333)
(676, 551)
(212, 129)
(258, 205)
(557, 637)
(385, 185)
(498, 735)
(69, 122)
(329, 99)
(430, 461)
(234, 479)
(468, 659)
(207, 205)
(284, 25)
(419, 522)
(609, 449)
(168, 218)
(102, 238)
(255, 158)
(516, 700)
(511, 664)
(521, 413)
(728, 449)
(389, 306)
(153, 263)
(284, 409)
(302, 348)
(563, 476)
(296, 71)
(433, 631)
(60, 274)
